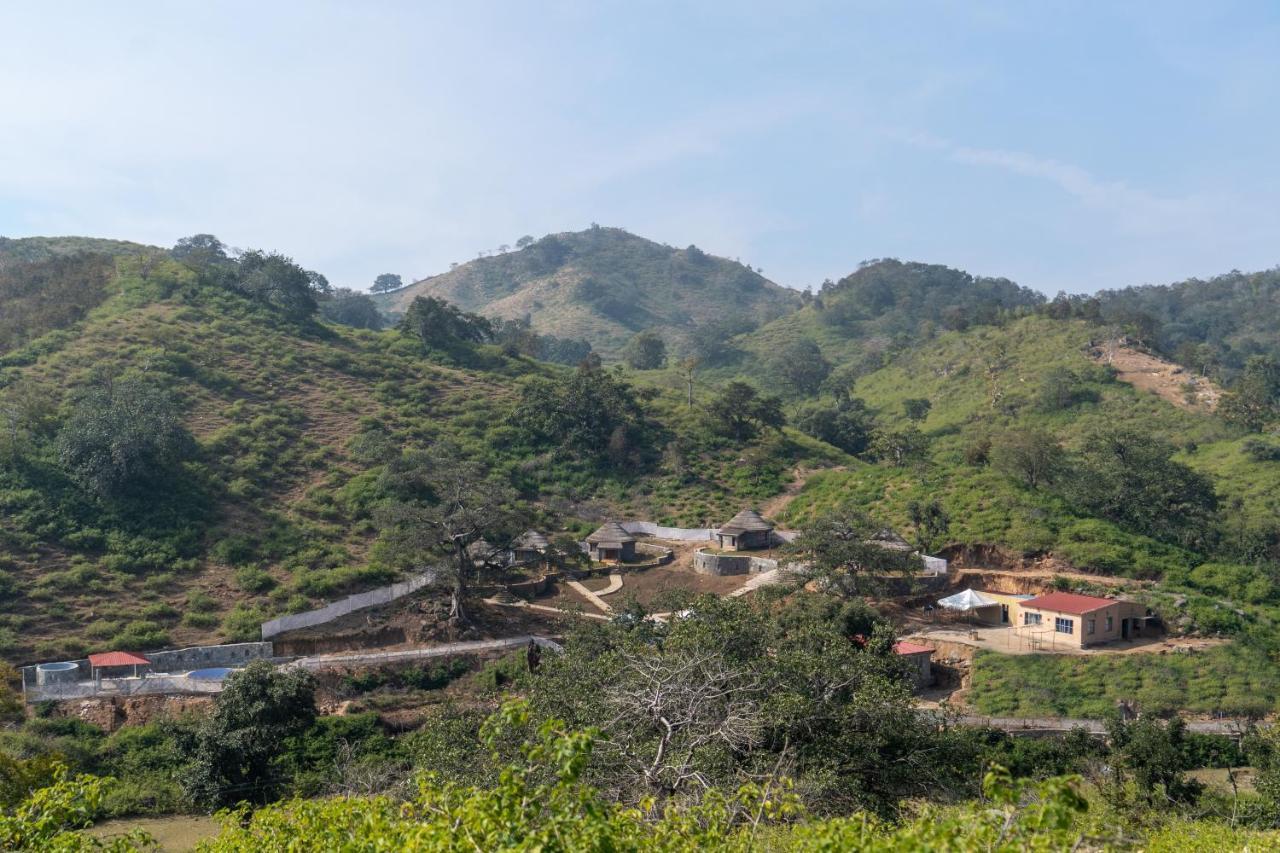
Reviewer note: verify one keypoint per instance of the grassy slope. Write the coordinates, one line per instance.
(604, 285)
(25, 249)
(982, 383)
(275, 511)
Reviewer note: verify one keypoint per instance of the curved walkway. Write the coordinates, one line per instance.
(444, 650)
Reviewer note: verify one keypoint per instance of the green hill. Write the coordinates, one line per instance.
(605, 285)
(258, 447)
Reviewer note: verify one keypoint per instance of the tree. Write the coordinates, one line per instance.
(1130, 478)
(349, 308)
(916, 408)
(277, 281)
(387, 282)
(1254, 399)
(593, 412)
(741, 412)
(124, 439)
(1150, 752)
(442, 504)
(800, 367)
(442, 325)
(931, 522)
(899, 446)
(201, 252)
(845, 423)
(234, 754)
(524, 242)
(840, 552)
(1061, 388)
(646, 351)
(1032, 457)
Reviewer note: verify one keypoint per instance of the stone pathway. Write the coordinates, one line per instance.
(615, 584)
(592, 597)
(444, 650)
(756, 581)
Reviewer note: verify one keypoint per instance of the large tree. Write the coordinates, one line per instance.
(741, 412)
(592, 412)
(235, 753)
(845, 423)
(124, 438)
(1131, 478)
(842, 551)
(442, 504)
(1254, 399)
(1033, 457)
(646, 351)
(800, 367)
(386, 282)
(442, 325)
(349, 308)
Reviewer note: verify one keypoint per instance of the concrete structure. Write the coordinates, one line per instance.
(611, 544)
(921, 657)
(530, 549)
(745, 531)
(1065, 618)
(708, 563)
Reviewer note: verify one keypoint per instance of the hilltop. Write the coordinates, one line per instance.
(605, 285)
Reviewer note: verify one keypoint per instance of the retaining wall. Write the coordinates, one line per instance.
(704, 562)
(679, 534)
(350, 604)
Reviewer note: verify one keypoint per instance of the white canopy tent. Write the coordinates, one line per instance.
(967, 600)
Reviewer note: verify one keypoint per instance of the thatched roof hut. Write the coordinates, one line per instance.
(611, 543)
(532, 540)
(747, 529)
(747, 521)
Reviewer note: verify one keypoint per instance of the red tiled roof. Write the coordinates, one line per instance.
(903, 647)
(1068, 602)
(117, 659)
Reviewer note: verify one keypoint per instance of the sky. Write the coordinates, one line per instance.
(1066, 145)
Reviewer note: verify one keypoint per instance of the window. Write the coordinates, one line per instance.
(1110, 621)
(1064, 626)
(1030, 618)
(1093, 623)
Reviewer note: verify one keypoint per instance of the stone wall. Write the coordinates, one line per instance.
(175, 660)
(350, 604)
(708, 563)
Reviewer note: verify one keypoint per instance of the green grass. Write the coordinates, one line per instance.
(1230, 679)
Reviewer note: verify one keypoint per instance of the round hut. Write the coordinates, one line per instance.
(611, 544)
(530, 548)
(745, 531)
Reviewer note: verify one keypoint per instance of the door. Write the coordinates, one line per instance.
(1124, 629)
(1004, 614)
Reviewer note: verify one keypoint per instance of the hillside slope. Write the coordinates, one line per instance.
(273, 507)
(604, 285)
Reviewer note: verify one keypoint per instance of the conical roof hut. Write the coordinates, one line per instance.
(532, 540)
(610, 533)
(747, 521)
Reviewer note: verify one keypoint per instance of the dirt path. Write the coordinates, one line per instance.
(799, 477)
(1164, 378)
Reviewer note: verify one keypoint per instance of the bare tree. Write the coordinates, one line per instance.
(447, 504)
(669, 709)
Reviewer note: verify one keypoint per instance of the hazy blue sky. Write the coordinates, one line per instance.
(1072, 145)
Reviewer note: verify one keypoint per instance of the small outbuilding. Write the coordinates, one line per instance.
(745, 531)
(921, 658)
(530, 548)
(115, 664)
(611, 544)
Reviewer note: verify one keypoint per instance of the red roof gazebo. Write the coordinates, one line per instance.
(114, 659)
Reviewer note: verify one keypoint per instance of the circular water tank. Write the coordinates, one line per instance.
(217, 673)
(57, 673)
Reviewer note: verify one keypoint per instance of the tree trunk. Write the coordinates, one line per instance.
(457, 609)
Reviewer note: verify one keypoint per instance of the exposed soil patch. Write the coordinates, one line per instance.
(1171, 382)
